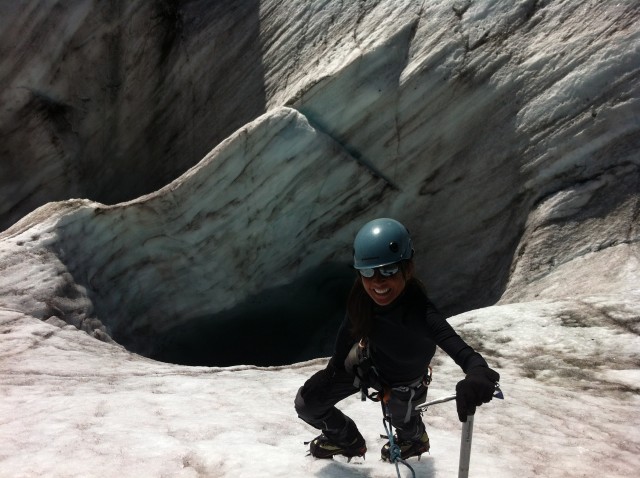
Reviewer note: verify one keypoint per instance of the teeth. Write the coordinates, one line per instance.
(379, 291)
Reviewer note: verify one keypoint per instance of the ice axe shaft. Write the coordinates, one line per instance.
(465, 447)
(467, 432)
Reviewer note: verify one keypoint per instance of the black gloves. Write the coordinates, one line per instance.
(477, 388)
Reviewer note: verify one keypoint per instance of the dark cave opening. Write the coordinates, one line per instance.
(279, 326)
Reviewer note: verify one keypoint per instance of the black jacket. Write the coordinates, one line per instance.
(404, 337)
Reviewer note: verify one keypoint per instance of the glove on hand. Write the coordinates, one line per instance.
(477, 388)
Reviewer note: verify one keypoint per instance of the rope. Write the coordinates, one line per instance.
(395, 453)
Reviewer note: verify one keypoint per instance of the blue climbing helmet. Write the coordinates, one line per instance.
(381, 242)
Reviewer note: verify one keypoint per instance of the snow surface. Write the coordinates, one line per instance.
(73, 406)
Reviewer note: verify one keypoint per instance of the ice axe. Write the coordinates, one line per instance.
(467, 431)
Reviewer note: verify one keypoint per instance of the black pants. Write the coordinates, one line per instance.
(316, 400)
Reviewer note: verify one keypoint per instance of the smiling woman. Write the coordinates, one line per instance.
(386, 342)
(384, 289)
(381, 249)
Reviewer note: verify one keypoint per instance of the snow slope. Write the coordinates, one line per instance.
(73, 406)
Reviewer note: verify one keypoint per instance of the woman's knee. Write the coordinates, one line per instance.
(310, 399)
(299, 403)
(321, 392)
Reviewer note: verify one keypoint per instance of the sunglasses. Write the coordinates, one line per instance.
(385, 271)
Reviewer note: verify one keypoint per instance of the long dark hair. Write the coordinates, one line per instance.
(360, 305)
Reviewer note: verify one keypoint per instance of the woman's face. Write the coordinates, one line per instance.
(384, 290)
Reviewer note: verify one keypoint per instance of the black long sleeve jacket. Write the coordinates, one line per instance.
(404, 337)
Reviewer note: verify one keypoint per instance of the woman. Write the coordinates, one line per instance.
(386, 341)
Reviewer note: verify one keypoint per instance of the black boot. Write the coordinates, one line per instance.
(408, 448)
(345, 440)
(323, 447)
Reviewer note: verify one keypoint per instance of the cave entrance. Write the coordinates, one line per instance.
(279, 326)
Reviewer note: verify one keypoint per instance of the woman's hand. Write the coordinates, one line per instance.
(477, 388)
